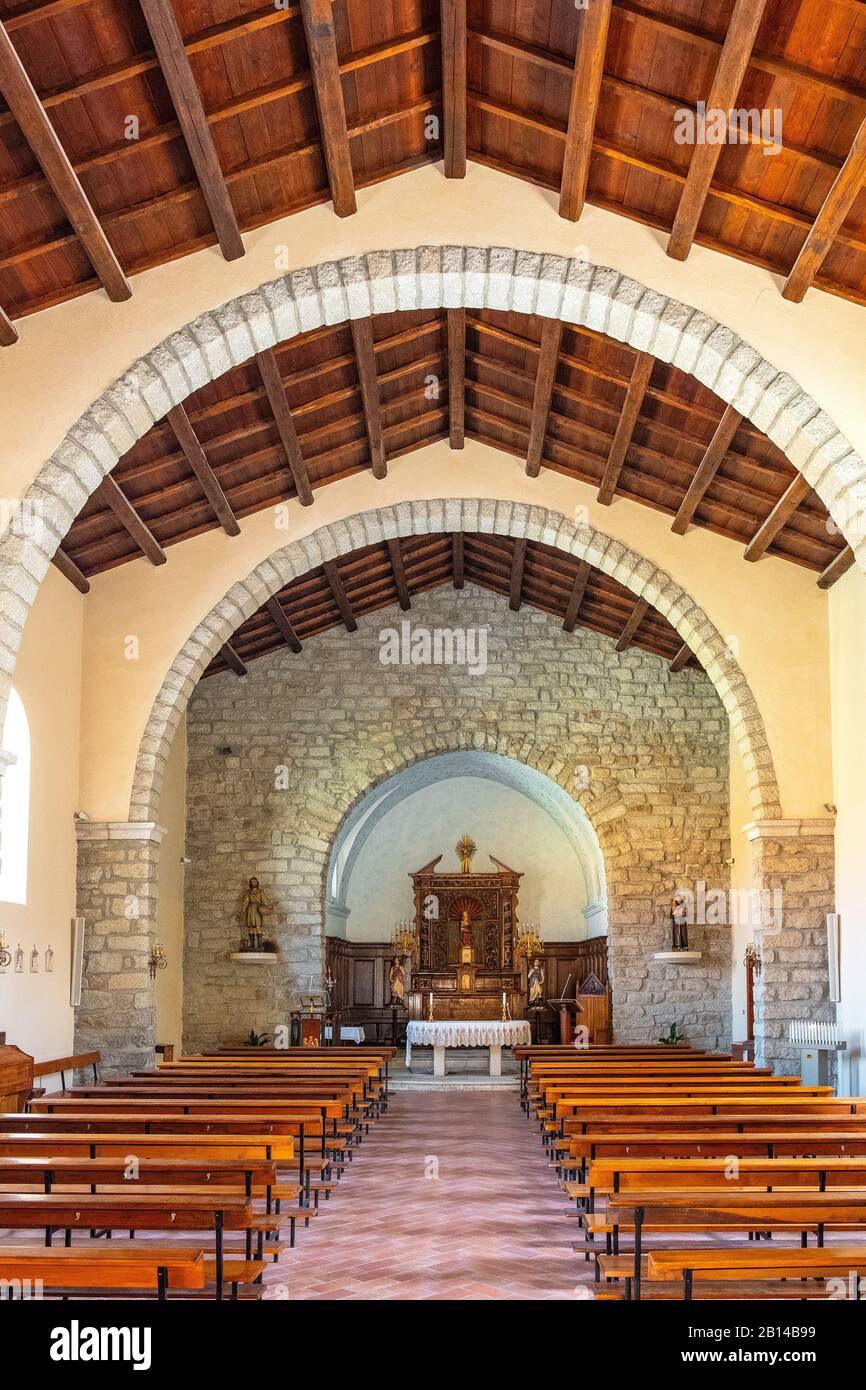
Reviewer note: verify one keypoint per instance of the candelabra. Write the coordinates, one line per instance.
(529, 942)
(404, 941)
(158, 960)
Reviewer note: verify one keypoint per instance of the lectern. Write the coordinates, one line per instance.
(565, 1008)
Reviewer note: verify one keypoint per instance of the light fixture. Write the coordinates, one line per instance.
(403, 939)
(752, 959)
(158, 960)
(5, 955)
(529, 942)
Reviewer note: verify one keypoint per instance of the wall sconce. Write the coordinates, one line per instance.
(5, 955)
(34, 961)
(49, 960)
(752, 959)
(19, 960)
(158, 960)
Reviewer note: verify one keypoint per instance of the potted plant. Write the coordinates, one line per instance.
(673, 1037)
(257, 1039)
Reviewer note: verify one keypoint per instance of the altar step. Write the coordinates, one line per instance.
(467, 1071)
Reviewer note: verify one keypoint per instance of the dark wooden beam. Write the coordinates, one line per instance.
(233, 659)
(70, 571)
(638, 614)
(707, 468)
(111, 495)
(186, 99)
(795, 493)
(332, 574)
(836, 568)
(733, 61)
(625, 428)
(276, 394)
(592, 24)
(399, 571)
(456, 376)
(681, 658)
(545, 377)
(457, 559)
(21, 98)
(576, 598)
(827, 224)
(322, 47)
(195, 457)
(278, 614)
(8, 331)
(518, 562)
(453, 23)
(365, 353)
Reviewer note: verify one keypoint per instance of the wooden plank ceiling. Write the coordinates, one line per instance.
(380, 576)
(348, 398)
(138, 131)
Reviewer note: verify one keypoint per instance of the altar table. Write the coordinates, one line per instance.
(347, 1034)
(460, 1032)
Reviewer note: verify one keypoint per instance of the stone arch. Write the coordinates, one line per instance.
(426, 277)
(637, 573)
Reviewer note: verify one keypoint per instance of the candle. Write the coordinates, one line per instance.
(430, 997)
(503, 997)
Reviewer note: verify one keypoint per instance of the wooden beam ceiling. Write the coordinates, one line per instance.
(281, 621)
(8, 331)
(335, 583)
(551, 336)
(518, 563)
(733, 61)
(365, 354)
(828, 223)
(576, 596)
(625, 429)
(456, 376)
(457, 560)
(235, 662)
(707, 469)
(173, 61)
(592, 25)
(843, 562)
(278, 401)
(638, 614)
(398, 571)
(70, 571)
(795, 493)
(318, 22)
(681, 658)
(37, 130)
(453, 22)
(109, 493)
(197, 460)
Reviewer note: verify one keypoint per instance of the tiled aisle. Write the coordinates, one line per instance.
(493, 1223)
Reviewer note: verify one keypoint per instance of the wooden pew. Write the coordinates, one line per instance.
(720, 1266)
(141, 1269)
(59, 1066)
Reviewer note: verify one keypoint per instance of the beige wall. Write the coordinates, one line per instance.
(35, 1009)
(785, 661)
(848, 685)
(169, 911)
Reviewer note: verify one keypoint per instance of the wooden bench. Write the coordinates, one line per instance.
(692, 1266)
(141, 1269)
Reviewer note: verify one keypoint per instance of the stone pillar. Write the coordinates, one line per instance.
(794, 870)
(118, 865)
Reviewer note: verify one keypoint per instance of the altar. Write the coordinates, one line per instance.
(459, 1032)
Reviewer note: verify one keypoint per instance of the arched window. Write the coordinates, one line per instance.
(15, 804)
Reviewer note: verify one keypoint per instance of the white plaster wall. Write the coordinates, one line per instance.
(502, 822)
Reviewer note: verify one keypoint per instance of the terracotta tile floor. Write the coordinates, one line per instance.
(449, 1197)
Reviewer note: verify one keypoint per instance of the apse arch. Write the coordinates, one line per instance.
(386, 795)
(447, 276)
(637, 573)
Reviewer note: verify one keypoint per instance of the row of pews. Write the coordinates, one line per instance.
(183, 1180)
(694, 1176)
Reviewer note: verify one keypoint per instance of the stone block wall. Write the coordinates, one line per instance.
(276, 759)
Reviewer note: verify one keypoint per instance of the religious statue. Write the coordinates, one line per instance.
(397, 981)
(535, 980)
(465, 930)
(254, 905)
(679, 923)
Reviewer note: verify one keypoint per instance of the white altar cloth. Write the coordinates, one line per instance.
(347, 1034)
(461, 1032)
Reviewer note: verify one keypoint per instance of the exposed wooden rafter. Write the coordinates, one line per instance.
(197, 460)
(457, 560)
(70, 571)
(681, 658)
(576, 596)
(8, 331)
(638, 614)
(365, 354)
(456, 376)
(322, 47)
(592, 26)
(109, 493)
(43, 140)
(453, 19)
(518, 561)
(733, 61)
(796, 492)
(828, 223)
(230, 656)
(335, 583)
(625, 428)
(843, 562)
(707, 469)
(551, 336)
(276, 394)
(398, 570)
(186, 99)
(280, 618)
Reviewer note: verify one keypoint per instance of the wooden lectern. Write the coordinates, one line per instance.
(565, 1008)
(16, 1076)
